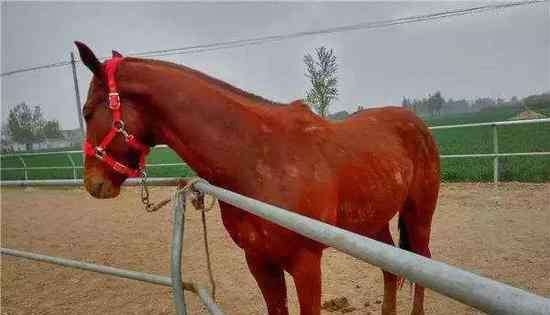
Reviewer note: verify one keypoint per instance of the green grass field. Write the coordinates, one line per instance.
(476, 140)
(472, 140)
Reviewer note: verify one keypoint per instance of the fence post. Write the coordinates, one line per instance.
(24, 167)
(77, 95)
(495, 150)
(73, 165)
(177, 243)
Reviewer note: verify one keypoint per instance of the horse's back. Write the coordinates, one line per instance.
(387, 131)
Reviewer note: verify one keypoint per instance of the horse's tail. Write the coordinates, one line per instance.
(404, 244)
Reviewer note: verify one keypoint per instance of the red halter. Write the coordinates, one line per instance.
(118, 127)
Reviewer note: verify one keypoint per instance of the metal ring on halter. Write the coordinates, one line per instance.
(100, 152)
(121, 128)
(119, 125)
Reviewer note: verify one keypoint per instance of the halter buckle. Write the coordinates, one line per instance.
(100, 152)
(114, 101)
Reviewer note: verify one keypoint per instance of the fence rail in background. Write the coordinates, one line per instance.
(495, 155)
(482, 293)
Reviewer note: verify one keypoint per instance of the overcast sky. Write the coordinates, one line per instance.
(502, 53)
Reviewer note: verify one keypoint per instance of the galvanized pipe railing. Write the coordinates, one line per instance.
(175, 259)
(482, 293)
(495, 123)
(174, 281)
(121, 273)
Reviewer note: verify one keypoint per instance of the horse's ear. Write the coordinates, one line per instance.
(89, 59)
(116, 54)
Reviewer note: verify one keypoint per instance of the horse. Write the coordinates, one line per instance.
(356, 174)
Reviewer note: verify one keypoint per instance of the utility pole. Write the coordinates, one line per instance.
(77, 95)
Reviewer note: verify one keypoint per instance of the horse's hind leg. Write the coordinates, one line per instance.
(305, 268)
(271, 280)
(390, 280)
(415, 226)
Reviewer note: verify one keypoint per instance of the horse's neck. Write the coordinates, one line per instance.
(210, 131)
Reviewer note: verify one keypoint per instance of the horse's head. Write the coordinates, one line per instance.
(118, 133)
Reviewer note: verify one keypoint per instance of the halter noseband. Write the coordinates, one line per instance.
(118, 127)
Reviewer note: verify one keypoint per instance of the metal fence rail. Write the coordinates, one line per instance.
(482, 293)
(174, 281)
(68, 154)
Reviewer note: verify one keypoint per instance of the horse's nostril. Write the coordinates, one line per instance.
(96, 187)
(101, 188)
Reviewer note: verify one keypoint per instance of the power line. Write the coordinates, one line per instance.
(277, 38)
(353, 27)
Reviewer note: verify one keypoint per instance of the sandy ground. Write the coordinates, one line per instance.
(502, 233)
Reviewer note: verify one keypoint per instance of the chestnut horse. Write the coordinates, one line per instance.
(356, 174)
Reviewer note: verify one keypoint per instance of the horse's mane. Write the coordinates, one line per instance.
(209, 79)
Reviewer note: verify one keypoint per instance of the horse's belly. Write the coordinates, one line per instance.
(365, 219)
(366, 212)
(257, 236)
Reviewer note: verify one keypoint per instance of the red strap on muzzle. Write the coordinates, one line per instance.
(99, 151)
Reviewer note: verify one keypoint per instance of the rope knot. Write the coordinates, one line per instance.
(197, 197)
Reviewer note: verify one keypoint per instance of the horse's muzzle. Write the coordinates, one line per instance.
(101, 188)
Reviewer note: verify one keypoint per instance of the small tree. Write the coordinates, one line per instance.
(321, 71)
(437, 102)
(406, 103)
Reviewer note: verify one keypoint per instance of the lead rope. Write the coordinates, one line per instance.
(197, 199)
(198, 203)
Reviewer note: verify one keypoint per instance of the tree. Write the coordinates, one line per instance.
(321, 72)
(407, 103)
(538, 103)
(28, 126)
(5, 143)
(52, 130)
(436, 102)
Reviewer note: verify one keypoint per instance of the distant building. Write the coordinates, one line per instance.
(73, 136)
(70, 139)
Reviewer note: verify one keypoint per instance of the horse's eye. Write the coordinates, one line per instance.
(87, 113)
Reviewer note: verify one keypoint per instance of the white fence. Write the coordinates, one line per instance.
(495, 155)
(68, 154)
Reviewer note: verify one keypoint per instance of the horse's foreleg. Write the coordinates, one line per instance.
(305, 268)
(271, 280)
(390, 280)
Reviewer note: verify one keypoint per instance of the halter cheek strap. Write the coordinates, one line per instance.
(118, 127)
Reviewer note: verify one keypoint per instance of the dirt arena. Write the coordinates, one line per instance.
(502, 233)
